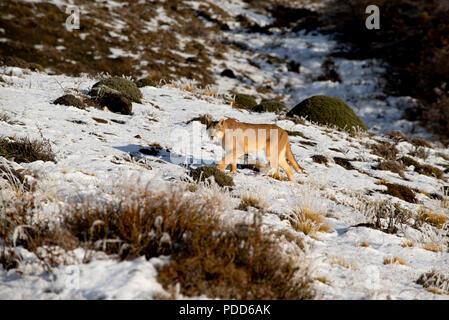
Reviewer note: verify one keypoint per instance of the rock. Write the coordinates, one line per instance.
(228, 73)
(294, 66)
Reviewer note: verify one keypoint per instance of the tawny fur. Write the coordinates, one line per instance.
(238, 138)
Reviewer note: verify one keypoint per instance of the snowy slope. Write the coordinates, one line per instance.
(92, 156)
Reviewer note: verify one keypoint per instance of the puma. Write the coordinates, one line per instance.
(238, 138)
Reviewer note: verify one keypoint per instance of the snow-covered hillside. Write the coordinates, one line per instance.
(96, 150)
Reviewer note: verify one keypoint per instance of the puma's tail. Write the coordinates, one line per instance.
(292, 160)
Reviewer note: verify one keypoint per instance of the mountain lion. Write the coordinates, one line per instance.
(238, 138)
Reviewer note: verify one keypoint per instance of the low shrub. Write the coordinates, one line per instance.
(26, 150)
(320, 159)
(385, 150)
(400, 191)
(386, 216)
(246, 101)
(249, 201)
(391, 165)
(241, 263)
(270, 106)
(70, 100)
(205, 172)
(425, 169)
(328, 111)
(345, 163)
(145, 82)
(20, 63)
(434, 279)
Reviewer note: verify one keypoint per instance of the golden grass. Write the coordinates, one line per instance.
(395, 260)
(249, 201)
(444, 203)
(408, 244)
(309, 221)
(277, 176)
(435, 219)
(323, 280)
(364, 244)
(343, 263)
(432, 247)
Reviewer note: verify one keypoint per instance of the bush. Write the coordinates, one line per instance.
(117, 84)
(205, 172)
(434, 280)
(116, 102)
(391, 165)
(400, 191)
(345, 163)
(20, 63)
(385, 150)
(145, 82)
(26, 150)
(206, 257)
(240, 263)
(387, 216)
(246, 101)
(270, 106)
(318, 158)
(328, 111)
(70, 100)
(425, 169)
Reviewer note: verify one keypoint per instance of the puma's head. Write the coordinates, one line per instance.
(215, 129)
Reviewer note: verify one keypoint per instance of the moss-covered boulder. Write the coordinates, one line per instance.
(270, 106)
(328, 111)
(117, 84)
(245, 100)
(205, 172)
(145, 82)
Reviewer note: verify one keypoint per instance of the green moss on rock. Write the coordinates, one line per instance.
(328, 111)
(245, 100)
(204, 172)
(270, 106)
(118, 84)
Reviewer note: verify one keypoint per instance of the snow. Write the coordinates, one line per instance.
(93, 156)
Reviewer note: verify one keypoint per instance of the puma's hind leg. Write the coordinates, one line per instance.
(288, 170)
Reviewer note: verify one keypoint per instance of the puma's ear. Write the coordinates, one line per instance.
(221, 121)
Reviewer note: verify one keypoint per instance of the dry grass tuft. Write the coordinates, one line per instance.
(343, 263)
(25, 150)
(408, 244)
(206, 257)
(249, 201)
(435, 219)
(395, 260)
(240, 263)
(307, 219)
(435, 282)
(277, 176)
(432, 247)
